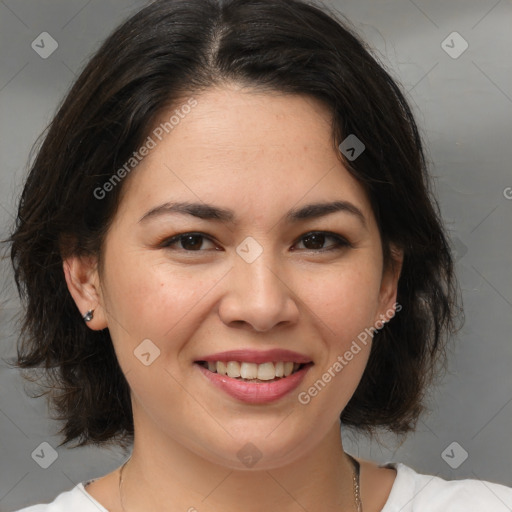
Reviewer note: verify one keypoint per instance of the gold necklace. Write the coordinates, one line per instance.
(355, 478)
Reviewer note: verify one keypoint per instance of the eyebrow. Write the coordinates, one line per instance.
(211, 212)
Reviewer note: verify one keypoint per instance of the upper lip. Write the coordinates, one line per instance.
(257, 356)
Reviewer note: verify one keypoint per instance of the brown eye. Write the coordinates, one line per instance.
(315, 241)
(191, 242)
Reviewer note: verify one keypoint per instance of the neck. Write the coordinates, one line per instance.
(162, 474)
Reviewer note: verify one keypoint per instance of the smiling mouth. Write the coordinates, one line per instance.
(252, 372)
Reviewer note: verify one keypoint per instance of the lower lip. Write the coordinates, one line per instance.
(256, 392)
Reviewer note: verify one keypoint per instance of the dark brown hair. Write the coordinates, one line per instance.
(176, 48)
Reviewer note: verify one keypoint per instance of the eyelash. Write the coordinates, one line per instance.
(339, 244)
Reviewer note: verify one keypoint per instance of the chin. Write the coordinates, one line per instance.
(258, 452)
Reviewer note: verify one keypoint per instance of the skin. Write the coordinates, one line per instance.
(259, 154)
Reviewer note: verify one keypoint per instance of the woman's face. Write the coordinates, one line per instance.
(252, 280)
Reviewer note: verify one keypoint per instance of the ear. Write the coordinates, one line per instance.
(389, 287)
(83, 283)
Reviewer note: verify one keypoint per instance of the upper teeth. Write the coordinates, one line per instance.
(264, 371)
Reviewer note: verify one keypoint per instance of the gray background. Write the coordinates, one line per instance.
(464, 108)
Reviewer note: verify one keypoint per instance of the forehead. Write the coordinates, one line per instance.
(244, 148)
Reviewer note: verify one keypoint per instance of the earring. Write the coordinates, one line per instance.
(384, 322)
(88, 316)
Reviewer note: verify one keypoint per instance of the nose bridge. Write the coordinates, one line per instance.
(260, 275)
(258, 294)
(258, 280)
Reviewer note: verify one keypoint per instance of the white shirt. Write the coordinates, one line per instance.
(411, 492)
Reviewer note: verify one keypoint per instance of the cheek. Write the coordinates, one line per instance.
(345, 299)
(146, 298)
(344, 305)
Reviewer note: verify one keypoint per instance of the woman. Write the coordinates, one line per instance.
(228, 248)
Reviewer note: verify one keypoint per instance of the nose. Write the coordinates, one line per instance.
(259, 296)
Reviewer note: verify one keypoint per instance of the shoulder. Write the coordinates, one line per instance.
(76, 500)
(430, 493)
